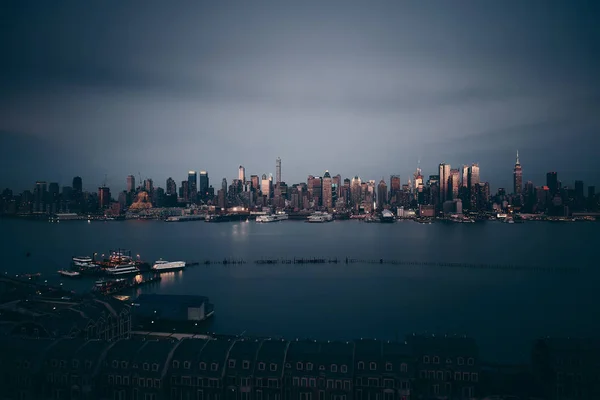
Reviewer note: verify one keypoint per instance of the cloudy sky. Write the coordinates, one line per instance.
(358, 88)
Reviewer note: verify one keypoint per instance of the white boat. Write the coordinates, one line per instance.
(123, 269)
(320, 217)
(82, 261)
(162, 265)
(272, 217)
(69, 274)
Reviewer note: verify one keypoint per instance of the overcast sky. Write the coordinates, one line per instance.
(358, 88)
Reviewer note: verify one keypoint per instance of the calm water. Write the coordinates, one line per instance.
(503, 310)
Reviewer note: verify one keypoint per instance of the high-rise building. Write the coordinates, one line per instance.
(130, 183)
(394, 188)
(204, 185)
(264, 186)
(579, 195)
(242, 174)
(192, 186)
(278, 170)
(254, 181)
(77, 185)
(40, 196)
(552, 183)
(474, 174)
(103, 197)
(444, 170)
(382, 194)
(317, 191)
(465, 176)
(184, 191)
(327, 191)
(454, 184)
(224, 186)
(517, 177)
(171, 187)
(149, 186)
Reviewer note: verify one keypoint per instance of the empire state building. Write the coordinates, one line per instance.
(517, 177)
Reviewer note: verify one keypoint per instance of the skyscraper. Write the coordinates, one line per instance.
(103, 197)
(474, 174)
(465, 176)
(552, 183)
(381, 194)
(517, 177)
(444, 170)
(327, 191)
(204, 184)
(171, 187)
(224, 186)
(254, 181)
(242, 174)
(77, 185)
(192, 186)
(149, 186)
(130, 183)
(39, 196)
(278, 170)
(454, 183)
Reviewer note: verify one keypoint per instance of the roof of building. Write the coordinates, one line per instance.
(171, 299)
(242, 354)
(271, 352)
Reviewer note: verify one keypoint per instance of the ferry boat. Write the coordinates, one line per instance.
(387, 216)
(69, 274)
(272, 217)
(320, 217)
(162, 265)
(82, 261)
(123, 269)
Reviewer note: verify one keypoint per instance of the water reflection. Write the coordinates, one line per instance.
(240, 231)
(169, 278)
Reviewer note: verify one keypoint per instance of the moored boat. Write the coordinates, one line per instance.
(123, 269)
(162, 265)
(319, 217)
(69, 274)
(83, 261)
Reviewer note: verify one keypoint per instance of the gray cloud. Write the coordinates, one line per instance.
(349, 87)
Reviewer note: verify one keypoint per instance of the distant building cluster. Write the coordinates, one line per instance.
(450, 191)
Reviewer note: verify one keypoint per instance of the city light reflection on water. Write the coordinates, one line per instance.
(169, 278)
(240, 231)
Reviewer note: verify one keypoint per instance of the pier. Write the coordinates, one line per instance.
(387, 261)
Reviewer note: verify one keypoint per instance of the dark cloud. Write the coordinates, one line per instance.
(347, 86)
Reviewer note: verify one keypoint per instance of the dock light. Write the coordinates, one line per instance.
(152, 321)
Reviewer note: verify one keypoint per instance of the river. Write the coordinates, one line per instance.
(505, 310)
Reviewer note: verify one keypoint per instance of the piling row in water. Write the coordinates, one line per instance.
(347, 260)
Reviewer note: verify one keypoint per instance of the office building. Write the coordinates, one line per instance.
(552, 183)
(103, 197)
(77, 185)
(278, 170)
(517, 178)
(327, 191)
(382, 194)
(192, 186)
(242, 174)
(130, 183)
(454, 184)
(204, 185)
(40, 196)
(171, 187)
(444, 171)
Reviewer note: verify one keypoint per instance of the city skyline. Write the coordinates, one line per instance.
(323, 87)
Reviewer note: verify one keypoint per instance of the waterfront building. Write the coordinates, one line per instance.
(444, 174)
(240, 369)
(269, 370)
(327, 191)
(278, 170)
(130, 183)
(517, 177)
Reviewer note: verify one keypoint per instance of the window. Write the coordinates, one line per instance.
(146, 366)
(329, 383)
(175, 364)
(259, 395)
(423, 374)
(436, 389)
(309, 366)
(273, 367)
(261, 366)
(88, 364)
(436, 360)
(115, 364)
(231, 363)
(214, 366)
(126, 380)
(388, 383)
(63, 363)
(388, 366)
(461, 361)
(313, 382)
(361, 365)
(431, 375)
(304, 382)
(296, 381)
(333, 368)
(344, 369)
(54, 363)
(475, 378)
(470, 361)
(457, 376)
(154, 367)
(111, 379)
(202, 366)
(372, 366)
(425, 359)
(448, 361)
(246, 364)
(321, 368)
(346, 385)
(259, 382)
(299, 366)
(466, 376)
(142, 382)
(403, 367)
(75, 363)
(199, 395)
(440, 376)
(404, 385)
(157, 383)
(288, 365)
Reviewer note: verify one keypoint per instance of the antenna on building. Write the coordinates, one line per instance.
(105, 179)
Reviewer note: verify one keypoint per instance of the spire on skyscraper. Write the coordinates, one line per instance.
(518, 163)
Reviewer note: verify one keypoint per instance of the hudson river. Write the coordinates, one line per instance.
(503, 309)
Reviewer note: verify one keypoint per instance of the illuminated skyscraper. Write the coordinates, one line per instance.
(454, 183)
(242, 174)
(278, 170)
(204, 185)
(381, 194)
(171, 187)
(474, 174)
(465, 176)
(103, 197)
(444, 170)
(326, 189)
(255, 183)
(192, 186)
(130, 183)
(517, 177)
